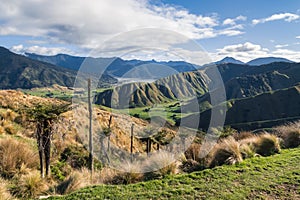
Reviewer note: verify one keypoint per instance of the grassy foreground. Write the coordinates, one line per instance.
(274, 177)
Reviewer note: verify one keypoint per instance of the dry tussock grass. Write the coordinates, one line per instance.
(265, 144)
(227, 151)
(4, 193)
(31, 185)
(75, 181)
(15, 156)
(193, 152)
(290, 133)
(160, 164)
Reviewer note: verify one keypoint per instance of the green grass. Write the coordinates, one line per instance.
(168, 111)
(271, 177)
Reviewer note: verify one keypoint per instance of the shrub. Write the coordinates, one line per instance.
(30, 185)
(226, 152)
(4, 193)
(60, 170)
(74, 181)
(76, 156)
(160, 164)
(15, 155)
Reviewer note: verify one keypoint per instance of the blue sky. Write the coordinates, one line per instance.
(238, 28)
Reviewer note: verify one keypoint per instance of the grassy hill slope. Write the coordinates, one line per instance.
(275, 177)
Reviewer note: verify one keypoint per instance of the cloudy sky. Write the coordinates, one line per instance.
(241, 29)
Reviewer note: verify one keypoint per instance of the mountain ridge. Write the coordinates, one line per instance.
(18, 71)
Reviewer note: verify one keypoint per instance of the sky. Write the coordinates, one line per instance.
(193, 30)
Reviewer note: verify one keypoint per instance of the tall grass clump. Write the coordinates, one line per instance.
(193, 152)
(264, 144)
(227, 151)
(160, 164)
(267, 145)
(31, 185)
(4, 193)
(243, 135)
(74, 181)
(290, 134)
(15, 155)
(131, 173)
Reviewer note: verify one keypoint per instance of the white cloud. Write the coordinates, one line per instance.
(244, 52)
(246, 47)
(249, 51)
(20, 49)
(281, 45)
(232, 21)
(88, 23)
(230, 32)
(288, 17)
(287, 53)
(298, 37)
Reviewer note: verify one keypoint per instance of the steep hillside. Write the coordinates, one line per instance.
(261, 111)
(121, 124)
(178, 86)
(18, 71)
(240, 81)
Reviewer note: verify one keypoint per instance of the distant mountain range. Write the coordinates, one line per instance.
(255, 62)
(267, 60)
(118, 67)
(17, 71)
